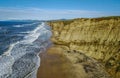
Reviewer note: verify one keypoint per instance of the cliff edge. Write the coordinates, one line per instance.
(96, 38)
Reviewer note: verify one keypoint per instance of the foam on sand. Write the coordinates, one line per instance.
(22, 60)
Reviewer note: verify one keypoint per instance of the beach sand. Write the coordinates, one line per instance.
(54, 64)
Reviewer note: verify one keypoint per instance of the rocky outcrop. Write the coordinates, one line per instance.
(98, 38)
(85, 67)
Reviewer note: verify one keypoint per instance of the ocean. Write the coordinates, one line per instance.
(21, 42)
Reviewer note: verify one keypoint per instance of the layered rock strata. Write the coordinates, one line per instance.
(97, 38)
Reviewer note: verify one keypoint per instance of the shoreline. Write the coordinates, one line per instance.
(54, 64)
(90, 52)
(58, 62)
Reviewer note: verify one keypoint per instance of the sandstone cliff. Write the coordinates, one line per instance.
(98, 38)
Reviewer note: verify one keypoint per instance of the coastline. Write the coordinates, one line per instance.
(21, 60)
(58, 62)
(91, 51)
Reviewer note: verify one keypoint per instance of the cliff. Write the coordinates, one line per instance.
(97, 38)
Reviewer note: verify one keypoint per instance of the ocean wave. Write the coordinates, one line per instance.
(22, 60)
(23, 25)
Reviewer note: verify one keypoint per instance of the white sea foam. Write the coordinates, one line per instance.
(40, 30)
(22, 60)
(7, 53)
(18, 26)
(23, 25)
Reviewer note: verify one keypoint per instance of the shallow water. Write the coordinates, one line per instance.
(20, 59)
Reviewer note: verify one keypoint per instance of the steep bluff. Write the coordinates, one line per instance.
(98, 38)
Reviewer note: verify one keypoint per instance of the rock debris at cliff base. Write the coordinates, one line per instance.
(97, 38)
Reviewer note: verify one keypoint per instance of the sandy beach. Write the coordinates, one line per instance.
(57, 62)
(54, 64)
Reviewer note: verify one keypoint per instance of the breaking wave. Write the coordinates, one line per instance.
(22, 60)
(23, 25)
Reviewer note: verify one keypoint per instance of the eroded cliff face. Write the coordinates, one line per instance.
(98, 38)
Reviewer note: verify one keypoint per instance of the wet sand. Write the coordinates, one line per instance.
(54, 64)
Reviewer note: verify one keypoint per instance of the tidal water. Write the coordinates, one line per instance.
(20, 45)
